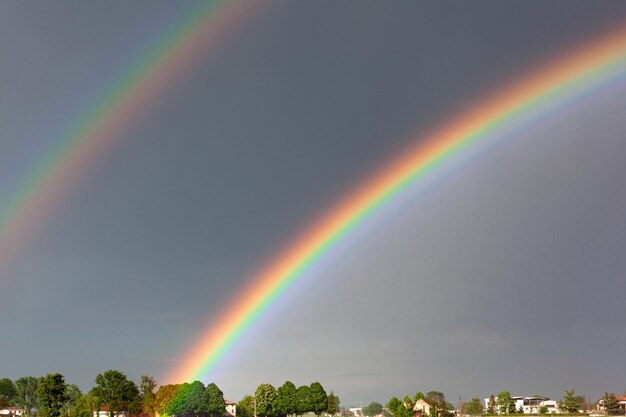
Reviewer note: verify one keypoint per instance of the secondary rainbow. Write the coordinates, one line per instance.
(552, 87)
(100, 128)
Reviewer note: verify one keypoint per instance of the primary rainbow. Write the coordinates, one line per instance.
(196, 34)
(552, 87)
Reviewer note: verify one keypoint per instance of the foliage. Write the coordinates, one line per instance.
(245, 407)
(7, 391)
(542, 410)
(147, 394)
(115, 391)
(333, 404)
(214, 400)
(505, 403)
(474, 407)
(303, 404)
(84, 406)
(164, 396)
(318, 399)
(611, 404)
(73, 394)
(265, 396)
(26, 393)
(51, 392)
(571, 402)
(286, 399)
(399, 408)
(373, 409)
(491, 405)
(438, 403)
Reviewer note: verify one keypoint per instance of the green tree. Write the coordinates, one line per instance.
(505, 403)
(73, 394)
(571, 402)
(286, 399)
(86, 404)
(437, 402)
(147, 385)
(245, 407)
(418, 396)
(399, 408)
(265, 396)
(7, 391)
(333, 404)
(164, 396)
(52, 393)
(474, 407)
(318, 398)
(611, 404)
(373, 409)
(214, 398)
(304, 400)
(115, 391)
(195, 400)
(491, 405)
(26, 393)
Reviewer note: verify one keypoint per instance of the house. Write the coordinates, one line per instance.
(11, 412)
(622, 404)
(531, 404)
(231, 408)
(421, 407)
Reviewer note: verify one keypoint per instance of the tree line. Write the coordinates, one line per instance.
(51, 396)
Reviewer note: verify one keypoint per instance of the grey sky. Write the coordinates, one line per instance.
(507, 275)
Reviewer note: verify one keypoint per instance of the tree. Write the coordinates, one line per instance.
(115, 391)
(304, 400)
(373, 409)
(164, 396)
(245, 407)
(318, 398)
(7, 391)
(491, 405)
(51, 392)
(611, 404)
(571, 402)
(474, 407)
(286, 399)
(214, 398)
(26, 393)
(437, 402)
(399, 408)
(505, 403)
(147, 395)
(265, 396)
(333, 404)
(73, 394)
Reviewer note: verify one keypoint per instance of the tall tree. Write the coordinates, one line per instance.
(214, 398)
(333, 404)
(245, 407)
(437, 402)
(474, 407)
(164, 396)
(7, 391)
(611, 404)
(26, 393)
(318, 398)
(73, 394)
(505, 403)
(147, 385)
(115, 391)
(286, 399)
(571, 402)
(491, 405)
(265, 396)
(52, 393)
(304, 400)
(373, 409)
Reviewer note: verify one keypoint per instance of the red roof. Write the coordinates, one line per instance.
(621, 397)
(229, 402)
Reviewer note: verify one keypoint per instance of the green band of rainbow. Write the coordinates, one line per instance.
(517, 105)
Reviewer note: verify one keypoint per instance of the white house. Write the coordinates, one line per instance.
(11, 412)
(622, 404)
(422, 407)
(530, 404)
(231, 408)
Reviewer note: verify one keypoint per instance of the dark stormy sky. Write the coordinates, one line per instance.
(508, 274)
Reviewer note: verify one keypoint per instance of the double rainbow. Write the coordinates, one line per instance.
(553, 87)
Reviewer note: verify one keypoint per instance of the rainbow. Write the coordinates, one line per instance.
(98, 130)
(521, 104)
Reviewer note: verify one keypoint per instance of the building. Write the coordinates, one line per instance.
(11, 412)
(530, 404)
(421, 407)
(622, 404)
(231, 408)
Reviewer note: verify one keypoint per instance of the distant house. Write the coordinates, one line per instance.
(11, 412)
(231, 408)
(421, 407)
(622, 404)
(530, 404)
